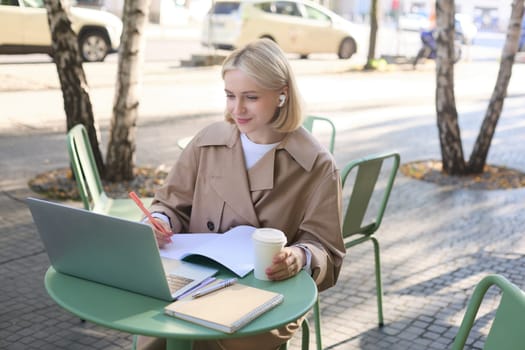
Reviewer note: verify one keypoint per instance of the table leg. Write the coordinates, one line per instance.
(178, 344)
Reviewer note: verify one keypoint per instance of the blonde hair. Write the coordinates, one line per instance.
(265, 62)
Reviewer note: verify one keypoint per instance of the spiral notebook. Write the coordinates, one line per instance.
(215, 310)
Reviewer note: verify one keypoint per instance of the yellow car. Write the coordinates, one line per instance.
(297, 26)
(25, 29)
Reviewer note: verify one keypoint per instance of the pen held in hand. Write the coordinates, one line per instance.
(155, 224)
(211, 289)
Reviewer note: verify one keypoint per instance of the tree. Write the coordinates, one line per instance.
(373, 35)
(447, 115)
(75, 90)
(121, 147)
(480, 151)
(447, 118)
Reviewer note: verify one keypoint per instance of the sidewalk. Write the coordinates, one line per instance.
(437, 242)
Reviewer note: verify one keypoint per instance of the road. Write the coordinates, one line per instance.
(185, 99)
(31, 95)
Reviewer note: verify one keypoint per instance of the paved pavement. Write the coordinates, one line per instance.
(437, 241)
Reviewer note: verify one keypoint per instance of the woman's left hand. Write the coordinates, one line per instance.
(287, 263)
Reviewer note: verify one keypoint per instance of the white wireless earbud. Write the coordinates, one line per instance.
(282, 99)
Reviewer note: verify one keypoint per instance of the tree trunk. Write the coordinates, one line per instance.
(373, 35)
(480, 151)
(447, 115)
(75, 90)
(121, 147)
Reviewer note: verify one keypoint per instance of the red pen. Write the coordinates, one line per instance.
(154, 222)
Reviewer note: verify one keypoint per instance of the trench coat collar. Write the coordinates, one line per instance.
(303, 147)
(235, 187)
(300, 144)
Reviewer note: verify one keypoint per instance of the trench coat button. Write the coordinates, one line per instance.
(210, 225)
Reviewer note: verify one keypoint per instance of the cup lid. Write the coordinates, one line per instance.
(269, 235)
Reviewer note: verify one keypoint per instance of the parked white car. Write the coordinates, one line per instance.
(25, 29)
(297, 26)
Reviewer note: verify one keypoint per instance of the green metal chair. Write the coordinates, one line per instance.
(89, 183)
(508, 327)
(358, 227)
(309, 122)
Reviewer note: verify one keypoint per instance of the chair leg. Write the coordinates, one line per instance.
(306, 335)
(134, 344)
(379, 285)
(317, 318)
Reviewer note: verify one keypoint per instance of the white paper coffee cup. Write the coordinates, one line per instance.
(266, 243)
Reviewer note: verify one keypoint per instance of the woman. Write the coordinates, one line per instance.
(259, 168)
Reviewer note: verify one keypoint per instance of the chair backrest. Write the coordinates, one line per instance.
(309, 122)
(508, 327)
(365, 184)
(85, 169)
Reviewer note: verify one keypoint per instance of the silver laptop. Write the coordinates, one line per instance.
(112, 251)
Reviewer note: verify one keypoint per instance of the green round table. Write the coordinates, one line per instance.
(138, 314)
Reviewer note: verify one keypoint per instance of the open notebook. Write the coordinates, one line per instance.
(232, 249)
(112, 251)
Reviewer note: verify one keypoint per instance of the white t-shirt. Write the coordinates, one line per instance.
(254, 151)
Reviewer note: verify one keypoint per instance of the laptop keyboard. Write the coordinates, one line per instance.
(177, 282)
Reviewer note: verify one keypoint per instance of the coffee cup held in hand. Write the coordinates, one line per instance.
(266, 243)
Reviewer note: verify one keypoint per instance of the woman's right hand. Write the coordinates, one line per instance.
(287, 263)
(162, 237)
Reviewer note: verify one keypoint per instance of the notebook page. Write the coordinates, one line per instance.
(233, 249)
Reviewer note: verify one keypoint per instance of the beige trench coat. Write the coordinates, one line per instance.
(295, 188)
